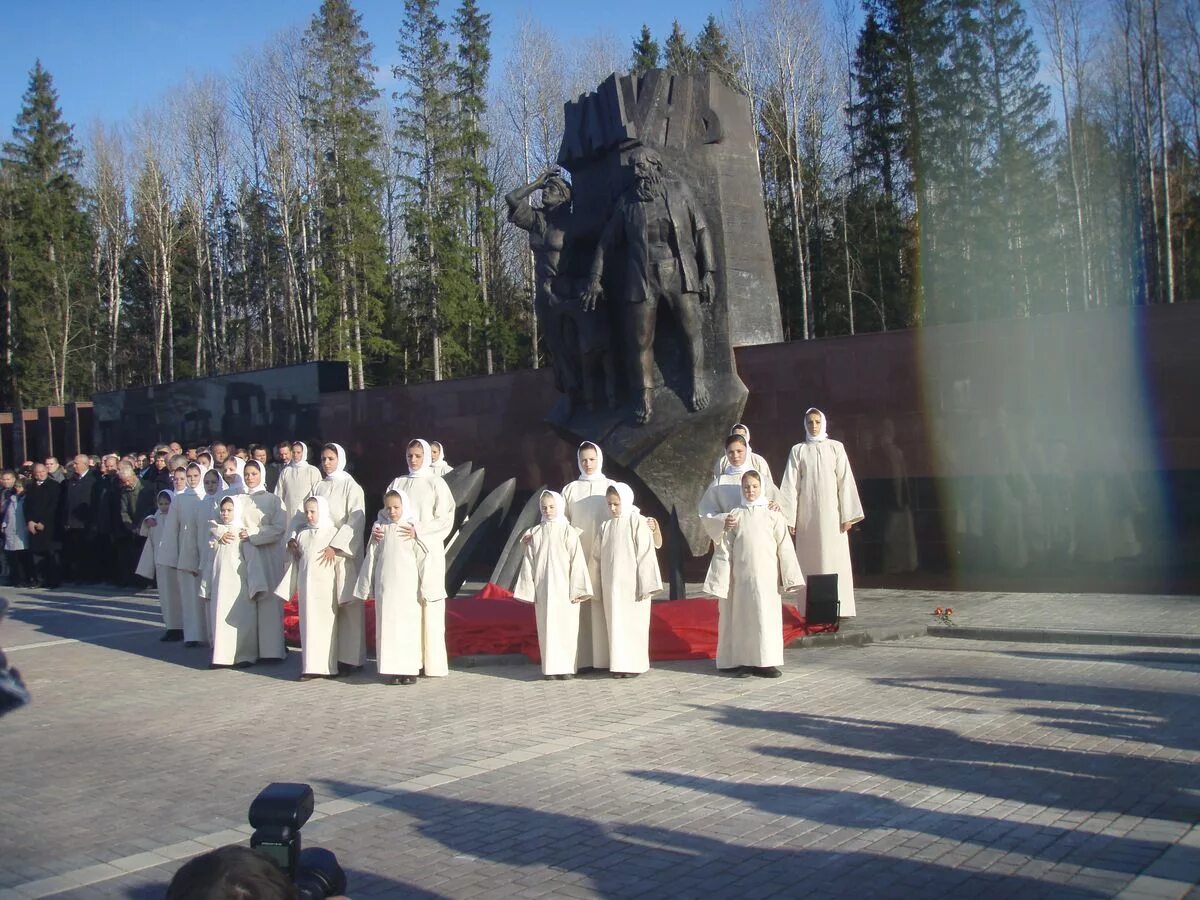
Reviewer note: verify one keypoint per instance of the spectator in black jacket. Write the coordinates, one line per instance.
(107, 521)
(135, 501)
(79, 516)
(43, 498)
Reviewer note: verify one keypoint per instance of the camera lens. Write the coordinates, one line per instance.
(318, 875)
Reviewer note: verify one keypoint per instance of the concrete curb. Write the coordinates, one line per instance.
(858, 638)
(1064, 636)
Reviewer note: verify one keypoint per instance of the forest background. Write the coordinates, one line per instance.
(922, 161)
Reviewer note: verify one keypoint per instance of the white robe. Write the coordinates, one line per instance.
(762, 565)
(347, 508)
(160, 554)
(410, 633)
(187, 577)
(440, 468)
(295, 484)
(587, 510)
(433, 505)
(235, 619)
(628, 575)
(319, 586)
(719, 499)
(195, 556)
(554, 572)
(266, 522)
(756, 462)
(818, 495)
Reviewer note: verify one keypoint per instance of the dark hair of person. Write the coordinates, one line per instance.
(395, 494)
(8, 472)
(751, 474)
(230, 873)
(613, 491)
(735, 439)
(252, 462)
(415, 442)
(226, 500)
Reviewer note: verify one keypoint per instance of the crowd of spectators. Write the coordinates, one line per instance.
(80, 523)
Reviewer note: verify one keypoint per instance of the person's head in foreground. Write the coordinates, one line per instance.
(230, 873)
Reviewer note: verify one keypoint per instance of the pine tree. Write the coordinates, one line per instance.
(713, 53)
(340, 94)
(680, 57)
(46, 253)
(645, 53)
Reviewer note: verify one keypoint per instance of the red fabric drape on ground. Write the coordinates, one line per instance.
(492, 622)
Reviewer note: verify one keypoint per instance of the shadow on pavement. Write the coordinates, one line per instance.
(625, 859)
(940, 757)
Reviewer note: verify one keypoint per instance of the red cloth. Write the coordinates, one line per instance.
(492, 622)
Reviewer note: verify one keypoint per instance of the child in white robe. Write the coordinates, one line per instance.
(628, 576)
(761, 568)
(410, 630)
(554, 578)
(587, 510)
(318, 580)
(235, 635)
(153, 562)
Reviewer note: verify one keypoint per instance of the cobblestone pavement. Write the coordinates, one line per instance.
(904, 769)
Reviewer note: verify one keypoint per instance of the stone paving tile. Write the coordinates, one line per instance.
(917, 768)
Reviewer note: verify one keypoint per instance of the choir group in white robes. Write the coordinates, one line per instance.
(762, 567)
(627, 576)
(587, 509)
(554, 578)
(410, 630)
(819, 500)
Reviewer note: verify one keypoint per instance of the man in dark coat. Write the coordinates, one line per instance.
(135, 501)
(79, 516)
(43, 497)
(105, 519)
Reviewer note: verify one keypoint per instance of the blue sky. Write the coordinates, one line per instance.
(110, 58)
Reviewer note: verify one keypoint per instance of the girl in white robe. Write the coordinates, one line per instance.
(433, 506)
(437, 461)
(264, 525)
(195, 554)
(187, 577)
(762, 568)
(587, 510)
(820, 503)
(627, 577)
(153, 565)
(554, 578)
(296, 481)
(753, 460)
(235, 631)
(410, 632)
(347, 509)
(319, 582)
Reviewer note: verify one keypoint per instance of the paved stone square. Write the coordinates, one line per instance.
(923, 767)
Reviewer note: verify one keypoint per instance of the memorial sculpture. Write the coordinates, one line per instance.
(651, 265)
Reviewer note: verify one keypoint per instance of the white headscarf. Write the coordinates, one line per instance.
(220, 483)
(170, 495)
(340, 472)
(730, 469)
(744, 427)
(324, 516)
(824, 435)
(762, 494)
(560, 506)
(407, 513)
(198, 490)
(442, 448)
(303, 460)
(235, 484)
(423, 471)
(599, 476)
(237, 513)
(625, 492)
(262, 486)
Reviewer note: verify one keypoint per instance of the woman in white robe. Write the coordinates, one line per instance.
(347, 508)
(433, 506)
(265, 523)
(235, 628)
(587, 510)
(554, 578)
(762, 568)
(820, 503)
(724, 495)
(153, 566)
(187, 571)
(195, 555)
(410, 633)
(627, 577)
(317, 576)
(753, 460)
(297, 480)
(437, 460)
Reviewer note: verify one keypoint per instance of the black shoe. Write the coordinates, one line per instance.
(244, 664)
(549, 678)
(347, 669)
(172, 634)
(272, 660)
(564, 677)
(310, 676)
(766, 671)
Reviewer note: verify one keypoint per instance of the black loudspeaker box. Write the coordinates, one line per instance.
(823, 604)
